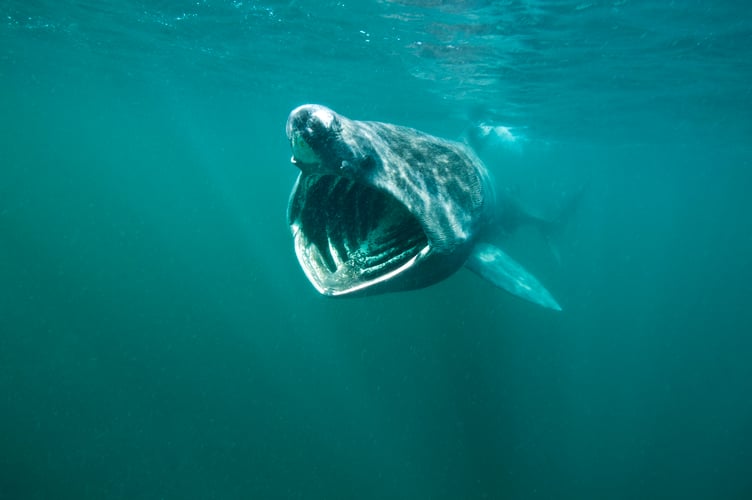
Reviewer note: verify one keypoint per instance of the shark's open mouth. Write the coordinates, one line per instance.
(350, 236)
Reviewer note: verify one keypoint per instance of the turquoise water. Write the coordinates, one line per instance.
(159, 340)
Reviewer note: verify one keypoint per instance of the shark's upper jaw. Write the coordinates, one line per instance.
(350, 237)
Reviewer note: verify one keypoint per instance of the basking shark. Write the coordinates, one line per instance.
(380, 208)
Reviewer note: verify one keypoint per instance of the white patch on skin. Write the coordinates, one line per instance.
(325, 116)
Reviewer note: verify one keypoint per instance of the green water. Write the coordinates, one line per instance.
(159, 340)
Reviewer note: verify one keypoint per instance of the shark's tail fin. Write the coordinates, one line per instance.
(568, 205)
(515, 214)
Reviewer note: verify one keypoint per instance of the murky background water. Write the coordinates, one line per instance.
(158, 339)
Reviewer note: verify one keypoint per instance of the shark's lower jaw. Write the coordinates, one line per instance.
(350, 237)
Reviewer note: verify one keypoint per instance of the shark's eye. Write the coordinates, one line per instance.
(356, 166)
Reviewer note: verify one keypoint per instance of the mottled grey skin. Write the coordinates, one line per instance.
(380, 208)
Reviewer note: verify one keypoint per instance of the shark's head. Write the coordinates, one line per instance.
(378, 207)
(315, 135)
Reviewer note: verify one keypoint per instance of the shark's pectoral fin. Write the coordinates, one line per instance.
(493, 264)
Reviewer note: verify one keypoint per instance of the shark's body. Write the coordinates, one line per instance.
(380, 208)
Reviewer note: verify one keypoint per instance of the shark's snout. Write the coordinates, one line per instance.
(322, 143)
(311, 130)
(310, 118)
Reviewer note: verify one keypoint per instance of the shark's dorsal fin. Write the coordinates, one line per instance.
(493, 264)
